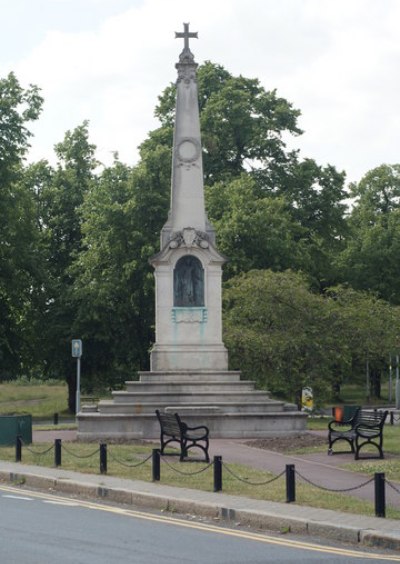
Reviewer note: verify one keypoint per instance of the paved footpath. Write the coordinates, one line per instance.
(319, 468)
(255, 513)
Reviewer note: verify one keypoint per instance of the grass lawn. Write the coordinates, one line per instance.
(41, 401)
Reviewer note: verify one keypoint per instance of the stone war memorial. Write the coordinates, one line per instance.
(189, 371)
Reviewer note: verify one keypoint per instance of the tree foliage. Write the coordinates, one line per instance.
(18, 235)
(312, 288)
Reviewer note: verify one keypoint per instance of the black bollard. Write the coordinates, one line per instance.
(155, 466)
(380, 502)
(57, 452)
(217, 473)
(103, 458)
(290, 483)
(18, 449)
(55, 419)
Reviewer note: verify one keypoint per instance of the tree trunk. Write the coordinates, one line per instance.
(376, 383)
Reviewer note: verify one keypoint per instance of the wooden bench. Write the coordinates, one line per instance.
(364, 428)
(173, 429)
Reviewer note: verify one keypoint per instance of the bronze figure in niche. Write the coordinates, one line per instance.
(189, 282)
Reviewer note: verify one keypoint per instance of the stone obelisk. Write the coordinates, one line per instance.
(189, 363)
(188, 267)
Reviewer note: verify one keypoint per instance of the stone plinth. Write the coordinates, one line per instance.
(229, 406)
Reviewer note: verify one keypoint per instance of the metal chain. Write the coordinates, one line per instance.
(126, 464)
(331, 489)
(186, 473)
(80, 456)
(39, 452)
(244, 480)
(392, 486)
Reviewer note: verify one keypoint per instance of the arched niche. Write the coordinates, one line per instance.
(189, 282)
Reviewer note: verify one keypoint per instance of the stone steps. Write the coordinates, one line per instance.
(189, 387)
(178, 376)
(229, 406)
(221, 407)
(179, 396)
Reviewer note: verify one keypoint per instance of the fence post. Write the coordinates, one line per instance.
(290, 483)
(55, 419)
(155, 466)
(103, 458)
(18, 448)
(57, 452)
(217, 473)
(380, 502)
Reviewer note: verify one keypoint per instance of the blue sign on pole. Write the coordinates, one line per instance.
(76, 348)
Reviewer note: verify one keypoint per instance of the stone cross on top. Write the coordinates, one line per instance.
(185, 35)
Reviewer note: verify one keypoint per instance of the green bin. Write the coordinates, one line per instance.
(349, 411)
(13, 425)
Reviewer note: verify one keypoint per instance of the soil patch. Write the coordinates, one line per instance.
(287, 444)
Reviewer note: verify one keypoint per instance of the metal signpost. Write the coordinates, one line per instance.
(77, 353)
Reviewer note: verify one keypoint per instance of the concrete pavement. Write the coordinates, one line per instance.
(265, 515)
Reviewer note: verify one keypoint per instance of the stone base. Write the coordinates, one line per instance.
(230, 407)
(97, 426)
(185, 357)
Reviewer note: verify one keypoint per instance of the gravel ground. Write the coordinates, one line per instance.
(287, 444)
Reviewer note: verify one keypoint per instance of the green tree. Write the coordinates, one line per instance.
(61, 194)
(255, 231)
(370, 330)
(369, 261)
(279, 333)
(18, 233)
(114, 288)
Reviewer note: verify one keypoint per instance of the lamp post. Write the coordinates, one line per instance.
(77, 353)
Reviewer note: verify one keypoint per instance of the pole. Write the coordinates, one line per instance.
(380, 503)
(155, 466)
(78, 386)
(57, 452)
(217, 473)
(103, 458)
(290, 483)
(397, 389)
(18, 448)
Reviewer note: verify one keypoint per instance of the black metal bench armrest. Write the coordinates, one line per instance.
(338, 424)
(206, 430)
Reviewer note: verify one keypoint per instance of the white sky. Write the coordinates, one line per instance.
(338, 61)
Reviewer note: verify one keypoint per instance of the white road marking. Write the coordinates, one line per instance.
(18, 497)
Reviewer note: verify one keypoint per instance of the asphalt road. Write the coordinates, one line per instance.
(40, 528)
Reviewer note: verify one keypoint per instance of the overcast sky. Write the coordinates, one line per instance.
(106, 61)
